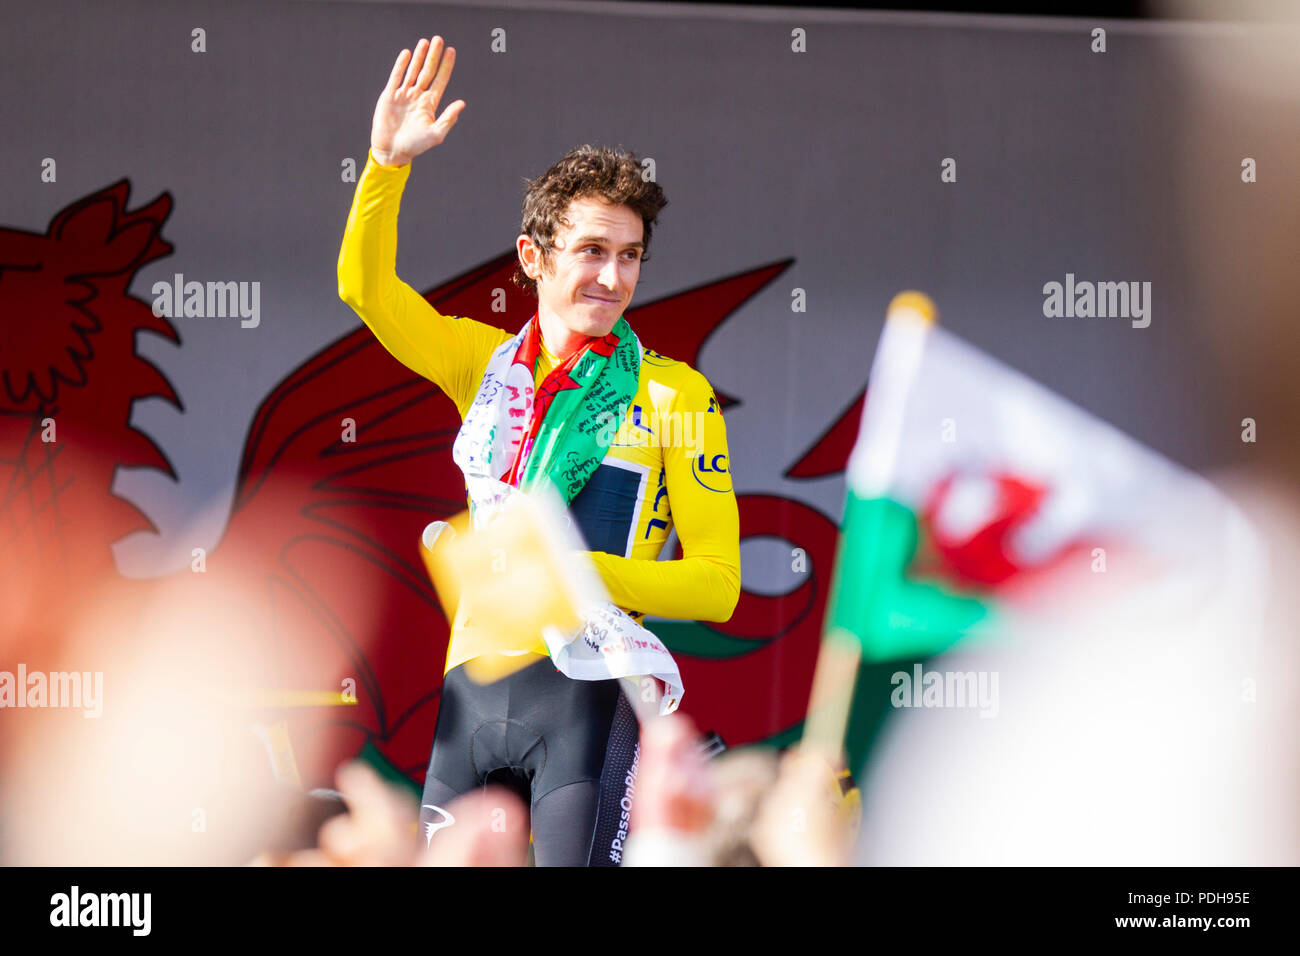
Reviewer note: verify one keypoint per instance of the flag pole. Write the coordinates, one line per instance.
(909, 317)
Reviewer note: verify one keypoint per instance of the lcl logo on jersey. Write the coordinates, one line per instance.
(711, 472)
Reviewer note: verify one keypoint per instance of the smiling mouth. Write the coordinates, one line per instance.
(596, 298)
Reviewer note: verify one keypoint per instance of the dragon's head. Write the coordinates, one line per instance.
(69, 373)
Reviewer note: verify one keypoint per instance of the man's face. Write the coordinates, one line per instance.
(597, 261)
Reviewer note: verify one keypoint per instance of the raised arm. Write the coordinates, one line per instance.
(444, 350)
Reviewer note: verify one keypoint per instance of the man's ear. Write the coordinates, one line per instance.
(528, 255)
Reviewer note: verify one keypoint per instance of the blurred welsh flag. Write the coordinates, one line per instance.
(980, 503)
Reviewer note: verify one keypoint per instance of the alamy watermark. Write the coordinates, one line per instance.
(638, 427)
(953, 689)
(76, 908)
(1102, 300)
(72, 689)
(208, 300)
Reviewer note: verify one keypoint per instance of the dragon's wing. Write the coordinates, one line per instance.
(346, 461)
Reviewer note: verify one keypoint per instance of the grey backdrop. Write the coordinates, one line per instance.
(1065, 163)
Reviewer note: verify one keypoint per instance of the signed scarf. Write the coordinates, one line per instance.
(561, 433)
(513, 440)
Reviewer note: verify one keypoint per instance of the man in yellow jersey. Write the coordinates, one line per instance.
(536, 406)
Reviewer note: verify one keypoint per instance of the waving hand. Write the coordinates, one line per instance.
(406, 120)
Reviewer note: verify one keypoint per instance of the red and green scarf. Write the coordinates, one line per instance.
(561, 433)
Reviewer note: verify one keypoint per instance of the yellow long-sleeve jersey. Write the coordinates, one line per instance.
(668, 466)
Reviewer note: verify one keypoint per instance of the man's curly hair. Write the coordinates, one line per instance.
(613, 175)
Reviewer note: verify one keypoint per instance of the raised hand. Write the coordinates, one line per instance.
(406, 117)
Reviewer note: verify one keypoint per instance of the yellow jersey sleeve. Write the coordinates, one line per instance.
(704, 584)
(450, 352)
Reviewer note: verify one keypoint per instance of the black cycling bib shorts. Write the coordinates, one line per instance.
(568, 747)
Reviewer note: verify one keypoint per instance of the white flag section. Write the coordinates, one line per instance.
(1028, 499)
(1127, 599)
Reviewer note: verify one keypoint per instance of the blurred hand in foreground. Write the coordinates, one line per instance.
(380, 829)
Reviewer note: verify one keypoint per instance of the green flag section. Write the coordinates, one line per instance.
(980, 503)
(871, 597)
